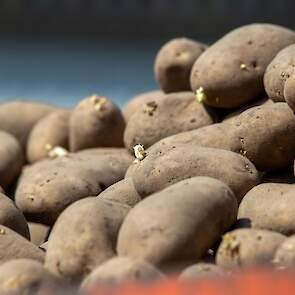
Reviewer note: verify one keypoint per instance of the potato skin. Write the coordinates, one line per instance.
(147, 128)
(96, 122)
(83, 237)
(231, 70)
(121, 270)
(285, 255)
(168, 164)
(136, 102)
(14, 246)
(38, 232)
(25, 276)
(123, 192)
(19, 117)
(289, 92)
(248, 247)
(201, 208)
(174, 62)
(47, 187)
(11, 159)
(51, 130)
(269, 206)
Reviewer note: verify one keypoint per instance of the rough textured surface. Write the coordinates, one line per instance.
(201, 270)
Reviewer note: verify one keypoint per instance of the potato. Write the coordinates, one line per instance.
(178, 223)
(168, 164)
(121, 270)
(230, 72)
(174, 62)
(83, 237)
(39, 233)
(138, 101)
(19, 117)
(157, 119)
(47, 187)
(285, 254)
(123, 192)
(11, 159)
(25, 276)
(248, 247)
(269, 206)
(13, 246)
(96, 122)
(49, 132)
(12, 217)
(289, 92)
(201, 270)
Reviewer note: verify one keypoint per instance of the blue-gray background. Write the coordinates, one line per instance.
(60, 51)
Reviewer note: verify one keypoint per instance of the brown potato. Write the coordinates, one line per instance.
(174, 62)
(289, 92)
(123, 192)
(168, 164)
(269, 206)
(248, 247)
(19, 117)
(39, 233)
(157, 119)
(49, 132)
(137, 102)
(11, 159)
(285, 254)
(178, 223)
(121, 270)
(96, 122)
(230, 72)
(13, 246)
(84, 236)
(25, 276)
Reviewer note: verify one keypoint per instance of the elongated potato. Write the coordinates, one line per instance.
(157, 119)
(49, 132)
(25, 276)
(123, 192)
(269, 206)
(248, 247)
(47, 187)
(137, 102)
(285, 254)
(19, 117)
(201, 209)
(96, 122)
(38, 232)
(230, 72)
(13, 246)
(11, 159)
(83, 237)
(201, 270)
(166, 165)
(121, 270)
(174, 62)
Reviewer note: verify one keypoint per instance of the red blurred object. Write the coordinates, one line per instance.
(258, 282)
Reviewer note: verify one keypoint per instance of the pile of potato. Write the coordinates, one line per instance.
(193, 180)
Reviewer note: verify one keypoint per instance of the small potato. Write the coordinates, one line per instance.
(201, 271)
(248, 247)
(157, 119)
(83, 237)
(269, 206)
(121, 270)
(13, 246)
(19, 117)
(123, 192)
(96, 122)
(230, 72)
(11, 159)
(49, 132)
(138, 101)
(25, 276)
(285, 254)
(178, 223)
(174, 62)
(39, 233)
(47, 187)
(167, 164)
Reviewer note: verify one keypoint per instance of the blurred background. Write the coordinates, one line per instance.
(60, 51)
